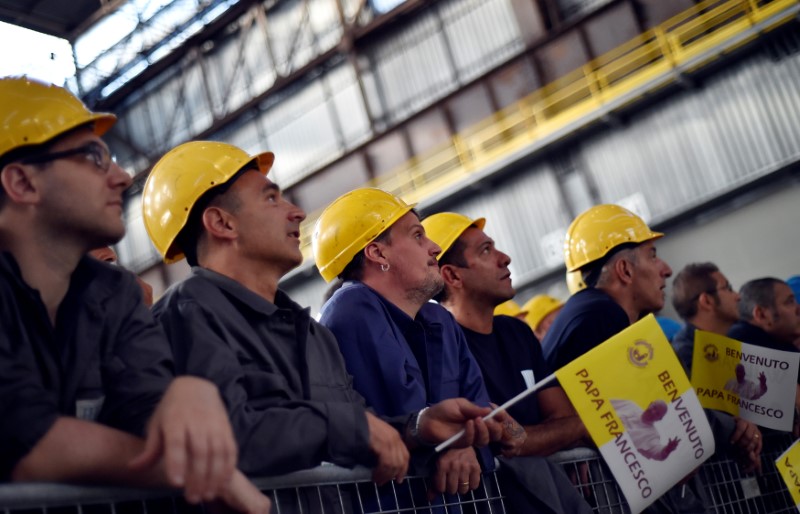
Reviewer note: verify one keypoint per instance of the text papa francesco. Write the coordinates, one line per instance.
(613, 425)
(742, 403)
(617, 431)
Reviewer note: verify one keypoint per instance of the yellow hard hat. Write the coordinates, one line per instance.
(32, 113)
(575, 281)
(508, 308)
(598, 230)
(445, 227)
(538, 307)
(180, 178)
(349, 224)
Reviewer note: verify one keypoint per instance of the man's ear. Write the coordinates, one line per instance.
(374, 252)
(705, 301)
(219, 223)
(762, 316)
(623, 268)
(18, 184)
(451, 276)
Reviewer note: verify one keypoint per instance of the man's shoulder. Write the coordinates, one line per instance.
(435, 313)
(352, 295)
(193, 292)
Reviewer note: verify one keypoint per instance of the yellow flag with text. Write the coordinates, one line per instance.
(788, 465)
(641, 411)
(755, 383)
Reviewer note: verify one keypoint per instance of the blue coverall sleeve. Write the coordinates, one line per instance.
(384, 369)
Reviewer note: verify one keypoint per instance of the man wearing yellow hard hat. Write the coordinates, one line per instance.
(615, 252)
(542, 310)
(404, 353)
(510, 308)
(215, 204)
(476, 279)
(87, 373)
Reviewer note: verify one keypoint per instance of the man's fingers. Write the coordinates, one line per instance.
(474, 478)
(150, 455)
(218, 475)
(495, 429)
(197, 469)
(739, 430)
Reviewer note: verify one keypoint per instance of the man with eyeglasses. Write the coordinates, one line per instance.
(87, 388)
(705, 300)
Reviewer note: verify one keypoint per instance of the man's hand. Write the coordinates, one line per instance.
(191, 432)
(241, 495)
(448, 417)
(748, 441)
(513, 438)
(386, 444)
(457, 471)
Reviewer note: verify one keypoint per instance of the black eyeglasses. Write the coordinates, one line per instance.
(94, 152)
(727, 287)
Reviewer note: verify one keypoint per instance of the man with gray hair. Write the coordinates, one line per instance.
(769, 316)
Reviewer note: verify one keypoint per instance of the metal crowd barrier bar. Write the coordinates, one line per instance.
(329, 489)
(733, 492)
(590, 475)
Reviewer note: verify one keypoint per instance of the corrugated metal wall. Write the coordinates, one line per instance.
(736, 127)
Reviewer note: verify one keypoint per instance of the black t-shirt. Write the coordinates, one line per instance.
(511, 360)
(588, 318)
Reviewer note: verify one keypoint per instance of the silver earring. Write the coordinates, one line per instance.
(384, 267)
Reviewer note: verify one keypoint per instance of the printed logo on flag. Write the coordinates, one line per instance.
(640, 409)
(788, 465)
(755, 383)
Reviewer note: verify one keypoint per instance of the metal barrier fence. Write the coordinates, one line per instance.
(333, 490)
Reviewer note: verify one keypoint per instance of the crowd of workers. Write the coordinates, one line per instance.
(227, 377)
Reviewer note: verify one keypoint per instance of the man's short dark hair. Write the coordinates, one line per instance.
(757, 293)
(454, 256)
(355, 268)
(189, 238)
(687, 286)
(22, 153)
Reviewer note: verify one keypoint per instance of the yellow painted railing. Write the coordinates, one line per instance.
(687, 40)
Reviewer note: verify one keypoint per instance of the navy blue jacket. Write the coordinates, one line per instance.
(588, 318)
(400, 364)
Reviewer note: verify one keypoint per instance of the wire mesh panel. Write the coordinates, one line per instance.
(332, 490)
(592, 478)
(324, 490)
(731, 491)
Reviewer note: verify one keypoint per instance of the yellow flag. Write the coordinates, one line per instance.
(755, 383)
(788, 465)
(640, 409)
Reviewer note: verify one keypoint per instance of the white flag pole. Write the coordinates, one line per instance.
(503, 407)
